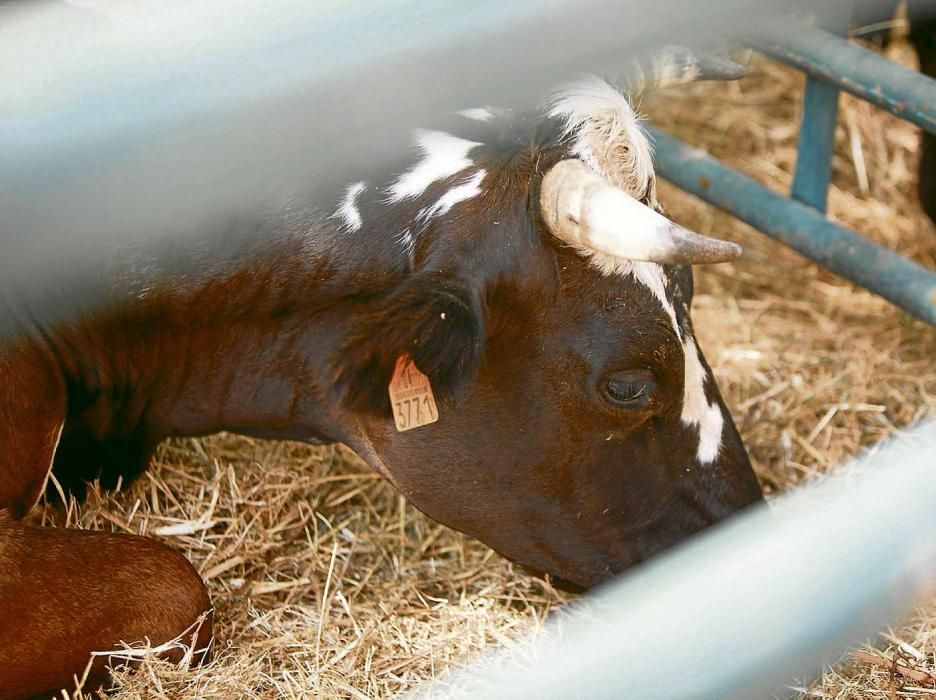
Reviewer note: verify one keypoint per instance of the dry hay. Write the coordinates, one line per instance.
(325, 582)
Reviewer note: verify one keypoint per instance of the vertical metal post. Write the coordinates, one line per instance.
(817, 129)
(816, 144)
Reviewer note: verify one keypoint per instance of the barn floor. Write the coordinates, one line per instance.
(326, 583)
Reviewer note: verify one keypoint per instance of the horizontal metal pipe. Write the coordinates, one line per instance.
(901, 91)
(903, 282)
(748, 607)
(137, 130)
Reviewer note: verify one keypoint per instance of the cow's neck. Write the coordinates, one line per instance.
(254, 344)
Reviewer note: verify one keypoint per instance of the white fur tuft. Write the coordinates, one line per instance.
(443, 155)
(607, 135)
(348, 212)
(408, 242)
(471, 187)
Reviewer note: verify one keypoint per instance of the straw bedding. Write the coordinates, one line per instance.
(326, 583)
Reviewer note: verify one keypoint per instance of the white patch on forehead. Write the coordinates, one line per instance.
(652, 276)
(696, 409)
(443, 155)
(348, 212)
(479, 114)
(460, 193)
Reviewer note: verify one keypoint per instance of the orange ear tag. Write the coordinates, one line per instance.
(411, 396)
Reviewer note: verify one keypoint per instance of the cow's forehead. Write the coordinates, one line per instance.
(589, 120)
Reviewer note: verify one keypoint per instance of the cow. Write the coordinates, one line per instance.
(501, 329)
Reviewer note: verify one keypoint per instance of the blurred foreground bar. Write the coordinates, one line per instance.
(750, 607)
(129, 126)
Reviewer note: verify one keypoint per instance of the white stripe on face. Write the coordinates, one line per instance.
(696, 409)
(443, 155)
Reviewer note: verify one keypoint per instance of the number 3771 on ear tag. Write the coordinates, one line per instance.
(411, 396)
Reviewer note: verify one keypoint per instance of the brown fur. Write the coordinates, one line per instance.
(66, 593)
(32, 412)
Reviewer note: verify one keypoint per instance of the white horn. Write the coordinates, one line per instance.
(583, 209)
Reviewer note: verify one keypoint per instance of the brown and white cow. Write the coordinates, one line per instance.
(521, 264)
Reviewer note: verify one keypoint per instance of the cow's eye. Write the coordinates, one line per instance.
(630, 390)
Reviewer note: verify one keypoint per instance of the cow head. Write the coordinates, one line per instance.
(579, 428)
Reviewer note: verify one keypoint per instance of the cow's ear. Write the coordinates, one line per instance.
(438, 321)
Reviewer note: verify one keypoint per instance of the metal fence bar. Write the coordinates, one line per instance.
(903, 282)
(899, 90)
(816, 143)
(137, 134)
(748, 607)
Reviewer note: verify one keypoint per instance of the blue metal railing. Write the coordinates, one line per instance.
(901, 281)
(832, 64)
(833, 60)
(746, 607)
